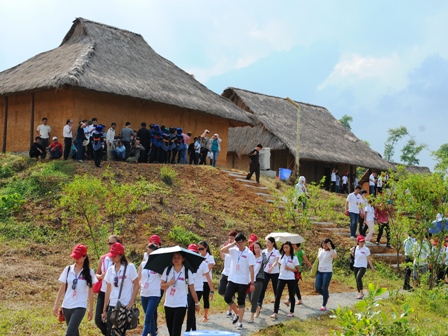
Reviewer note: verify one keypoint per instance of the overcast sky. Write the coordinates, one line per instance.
(385, 63)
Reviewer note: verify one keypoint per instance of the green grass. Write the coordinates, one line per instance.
(183, 236)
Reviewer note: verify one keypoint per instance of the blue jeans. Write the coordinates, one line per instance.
(215, 158)
(322, 283)
(73, 318)
(354, 219)
(149, 304)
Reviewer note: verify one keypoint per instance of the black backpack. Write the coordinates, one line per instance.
(168, 270)
(352, 259)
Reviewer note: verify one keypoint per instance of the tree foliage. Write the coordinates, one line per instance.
(441, 156)
(410, 151)
(395, 134)
(346, 120)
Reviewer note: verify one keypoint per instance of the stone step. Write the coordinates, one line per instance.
(231, 172)
(322, 223)
(337, 229)
(263, 194)
(386, 255)
(274, 201)
(236, 175)
(255, 187)
(246, 181)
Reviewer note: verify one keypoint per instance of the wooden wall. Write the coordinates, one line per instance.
(78, 104)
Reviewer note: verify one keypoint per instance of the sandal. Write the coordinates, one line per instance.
(286, 303)
(290, 315)
(323, 308)
(299, 302)
(274, 316)
(250, 321)
(205, 319)
(257, 313)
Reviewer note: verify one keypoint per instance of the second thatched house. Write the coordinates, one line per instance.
(111, 74)
(324, 143)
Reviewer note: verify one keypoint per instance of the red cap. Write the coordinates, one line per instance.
(253, 238)
(116, 249)
(155, 239)
(193, 247)
(361, 238)
(79, 251)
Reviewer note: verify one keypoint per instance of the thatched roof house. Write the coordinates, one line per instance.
(324, 142)
(114, 75)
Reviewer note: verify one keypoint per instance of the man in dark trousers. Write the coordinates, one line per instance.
(36, 149)
(255, 163)
(144, 135)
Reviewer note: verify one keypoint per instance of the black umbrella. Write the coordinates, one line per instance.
(163, 257)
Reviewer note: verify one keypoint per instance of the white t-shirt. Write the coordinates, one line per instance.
(67, 131)
(333, 177)
(421, 252)
(128, 284)
(209, 260)
(240, 263)
(199, 275)
(361, 255)
(104, 267)
(379, 182)
(345, 179)
(325, 261)
(370, 213)
(290, 262)
(258, 264)
(75, 298)
(271, 256)
(353, 203)
(371, 180)
(227, 261)
(176, 294)
(150, 282)
(44, 131)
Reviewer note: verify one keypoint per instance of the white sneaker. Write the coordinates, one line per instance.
(352, 237)
(240, 326)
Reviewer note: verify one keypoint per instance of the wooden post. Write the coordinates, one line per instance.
(5, 123)
(295, 171)
(32, 120)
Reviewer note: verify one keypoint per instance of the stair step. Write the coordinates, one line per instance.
(246, 181)
(336, 229)
(387, 255)
(231, 172)
(263, 194)
(236, 175)
(255, 187)
(322, 223)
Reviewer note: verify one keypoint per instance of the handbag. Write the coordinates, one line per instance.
(61, 317)
(97, 286)
(135, 318)
(351, 260)
(298, 275)
(115, 312)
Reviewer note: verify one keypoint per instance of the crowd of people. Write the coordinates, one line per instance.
(156, 144)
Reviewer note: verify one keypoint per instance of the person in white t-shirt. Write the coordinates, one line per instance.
(271, 270)
(76, 289)
(44, 131)
(352, 205)
(225, 272)
(344, 180)
(121, 274)
(362, 196)
(362, 258)
(241, 276)
(204, 250)
(103, 265)
(288, 265)
(260, 262)
(202, 272)
(149, 293)
(369, 211)
(326, 255)
(333, 180)
(176, 281)
(372, 183)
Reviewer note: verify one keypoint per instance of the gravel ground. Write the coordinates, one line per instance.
(309, 308)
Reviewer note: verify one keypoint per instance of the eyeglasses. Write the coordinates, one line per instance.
(201, 249)
(75, 283)
(116, 281)
(239, 242)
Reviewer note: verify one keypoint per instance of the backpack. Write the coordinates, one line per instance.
(352, 259)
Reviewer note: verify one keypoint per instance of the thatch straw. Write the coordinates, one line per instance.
(322, 137)
(102, 58)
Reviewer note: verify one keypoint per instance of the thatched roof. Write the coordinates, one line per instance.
(106, 59)
(322, 137)
(411, 168)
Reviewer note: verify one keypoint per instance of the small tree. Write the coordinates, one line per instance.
(346, 120)
(410, 151)
(395, 134)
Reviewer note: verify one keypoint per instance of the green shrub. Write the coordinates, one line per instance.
(168, 175)
(11, 164)
(183, 236)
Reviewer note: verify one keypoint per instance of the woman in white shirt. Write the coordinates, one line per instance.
(362, 257)
(260, 263)
(149, 293)
(202, 271)
(175, 281)
(369, 211)
(120, 274)
(271, 269)
(326, 255)
(76, 288)
(289, 265)
(204, 250)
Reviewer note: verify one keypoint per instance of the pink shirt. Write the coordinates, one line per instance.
(186, 138)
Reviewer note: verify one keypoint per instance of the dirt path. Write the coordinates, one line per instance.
(309, 308)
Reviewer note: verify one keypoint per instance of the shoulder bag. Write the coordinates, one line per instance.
(315, 265)
(97, 286)
(61, 317)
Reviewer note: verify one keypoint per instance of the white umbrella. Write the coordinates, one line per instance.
(283, 237)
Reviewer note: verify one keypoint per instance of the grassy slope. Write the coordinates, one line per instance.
(202, 202)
